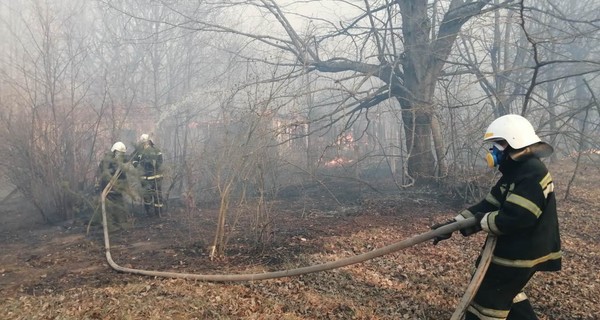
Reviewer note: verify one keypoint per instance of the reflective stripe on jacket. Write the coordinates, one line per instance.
(521, 212)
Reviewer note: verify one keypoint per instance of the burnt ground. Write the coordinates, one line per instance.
(60, 271)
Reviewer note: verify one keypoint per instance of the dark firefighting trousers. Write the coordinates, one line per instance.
(501, 295)
(152, 197)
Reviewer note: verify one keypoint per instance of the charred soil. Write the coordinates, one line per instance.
(60, 271)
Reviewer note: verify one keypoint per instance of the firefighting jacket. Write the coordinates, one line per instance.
(107, 168)
(521, 211)
(149, 160)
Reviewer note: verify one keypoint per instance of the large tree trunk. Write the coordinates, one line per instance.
(422, 63)
(421, 163)
(415, 105)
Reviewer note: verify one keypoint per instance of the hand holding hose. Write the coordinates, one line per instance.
(443, 236)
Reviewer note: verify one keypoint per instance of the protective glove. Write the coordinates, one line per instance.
(443, 236)
(470, 230)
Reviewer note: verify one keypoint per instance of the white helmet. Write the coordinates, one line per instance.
(513, 128)
(119, 146)
(144, 138)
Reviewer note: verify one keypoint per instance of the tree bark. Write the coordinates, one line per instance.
(423, 61)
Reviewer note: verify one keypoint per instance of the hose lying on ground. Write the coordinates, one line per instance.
(476, 280)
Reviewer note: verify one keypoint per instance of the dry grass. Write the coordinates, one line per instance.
(59, 273)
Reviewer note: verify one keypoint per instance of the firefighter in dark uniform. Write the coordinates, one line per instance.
(520, 210)
(115, 204)
(148, 159)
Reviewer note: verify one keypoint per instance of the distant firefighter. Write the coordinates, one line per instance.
(110, 163)
(148, 159)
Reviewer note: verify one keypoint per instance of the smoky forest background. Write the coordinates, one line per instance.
(252, 99)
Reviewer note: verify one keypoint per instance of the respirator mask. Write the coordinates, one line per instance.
(495, 155)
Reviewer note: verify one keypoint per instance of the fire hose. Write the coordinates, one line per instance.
(471, 289)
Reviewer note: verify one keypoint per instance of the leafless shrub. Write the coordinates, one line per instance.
(47, 163)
